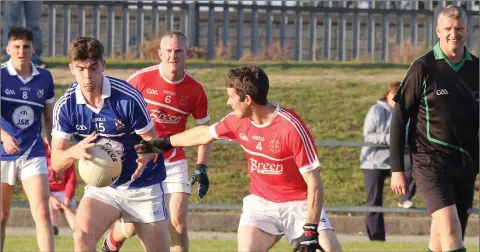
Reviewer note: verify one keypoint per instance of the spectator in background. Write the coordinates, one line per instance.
(62, 192)
(375, 161)
(13, 17)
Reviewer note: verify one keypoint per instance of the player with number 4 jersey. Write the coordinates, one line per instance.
(286, 190)
(277, 152)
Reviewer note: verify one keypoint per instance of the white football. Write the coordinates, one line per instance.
(103, 169)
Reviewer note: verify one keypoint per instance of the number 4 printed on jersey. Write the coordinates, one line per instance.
(259, 146)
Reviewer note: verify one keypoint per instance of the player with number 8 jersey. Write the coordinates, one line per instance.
(27, 97)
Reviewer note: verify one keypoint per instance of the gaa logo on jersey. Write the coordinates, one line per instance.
(243, 137)
(119, 124)
(152, 91)
(9, 92)
(40, 93)
(23, 116)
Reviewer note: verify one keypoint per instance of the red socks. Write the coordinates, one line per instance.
(112, 244)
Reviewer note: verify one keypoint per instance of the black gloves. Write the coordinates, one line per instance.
(200, 176)
(308, 242)
(154, 146)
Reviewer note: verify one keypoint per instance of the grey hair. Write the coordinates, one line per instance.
(176, 34)
(453, 12)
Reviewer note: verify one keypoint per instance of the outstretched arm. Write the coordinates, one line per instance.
(192, 137)
(195, 136)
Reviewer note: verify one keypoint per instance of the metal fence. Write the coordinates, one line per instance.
(310, 29)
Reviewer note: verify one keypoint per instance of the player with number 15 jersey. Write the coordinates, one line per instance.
(117, 123)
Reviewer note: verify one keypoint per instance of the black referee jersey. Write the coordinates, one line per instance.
(441, 100)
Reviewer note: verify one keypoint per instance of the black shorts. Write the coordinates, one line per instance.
(443, 186)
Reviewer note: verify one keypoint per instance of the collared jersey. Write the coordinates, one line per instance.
(170, 103)
(118, 122)
(441, 99)
(23, 102)
(277, 152)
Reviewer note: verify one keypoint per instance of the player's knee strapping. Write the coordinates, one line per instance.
(124, 231)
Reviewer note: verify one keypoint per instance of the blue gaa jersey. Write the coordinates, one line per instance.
(23, 102)
(118, 121)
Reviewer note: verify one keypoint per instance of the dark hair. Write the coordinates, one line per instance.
(85, 48)
(392, 88)
(249, 80)
(20, 33)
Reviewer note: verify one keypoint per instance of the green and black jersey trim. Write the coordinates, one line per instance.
(439, 55)
(429, 137)
(405, 76)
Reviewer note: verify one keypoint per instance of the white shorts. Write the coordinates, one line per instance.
(177, 180)
(278, 218)
(22, 169)
(144, 205)
(60, 196)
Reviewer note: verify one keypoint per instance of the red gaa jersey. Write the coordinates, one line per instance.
(61, 181)
(277, 152)
(170, 103)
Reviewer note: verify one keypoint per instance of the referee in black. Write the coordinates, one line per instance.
(439, 95)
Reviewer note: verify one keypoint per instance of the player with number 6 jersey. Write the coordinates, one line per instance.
(171, 102)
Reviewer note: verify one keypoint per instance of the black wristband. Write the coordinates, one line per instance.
(309, 226)
(167, 140)
(200, 166)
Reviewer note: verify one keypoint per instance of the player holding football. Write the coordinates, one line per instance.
(106, 111)
(286, 187)
(171, 95)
